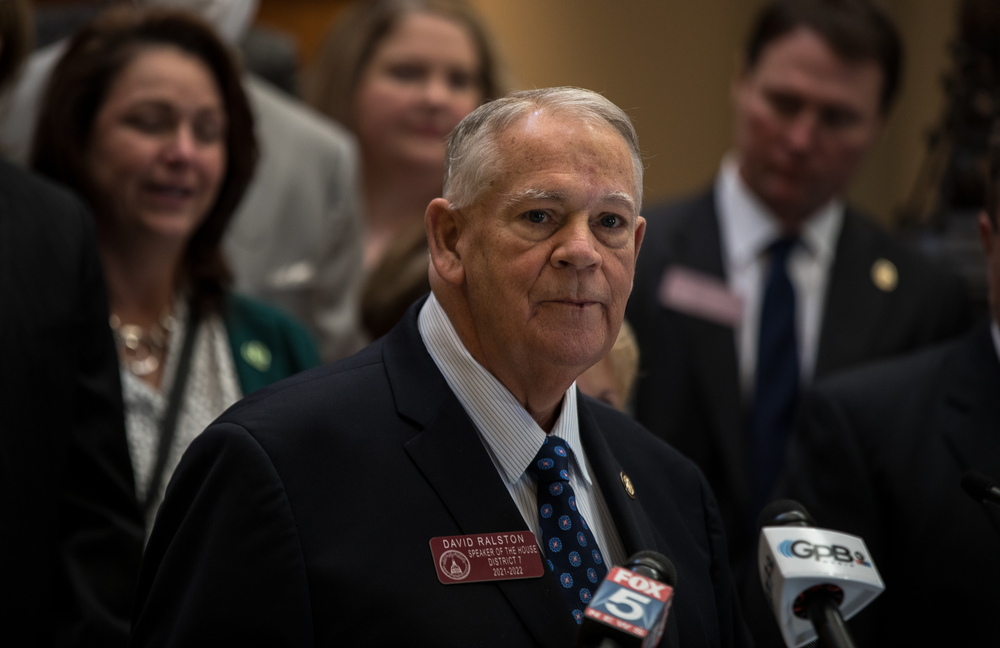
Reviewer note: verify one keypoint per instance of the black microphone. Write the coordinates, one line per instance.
(980, 487)
(813, 578)
(630, 607)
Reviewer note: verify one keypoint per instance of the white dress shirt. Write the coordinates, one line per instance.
(511, 437)
(212, 387)
(747, 228)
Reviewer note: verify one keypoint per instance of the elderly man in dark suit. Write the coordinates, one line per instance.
(768, 280)
(305, 515)
(880, 454)
(70, 530)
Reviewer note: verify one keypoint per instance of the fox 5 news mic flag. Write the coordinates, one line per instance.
(795, 561)
(631, 606)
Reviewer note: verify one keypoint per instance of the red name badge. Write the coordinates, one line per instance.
(486, 557)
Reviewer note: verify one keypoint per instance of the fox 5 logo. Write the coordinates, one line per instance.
(632, 598)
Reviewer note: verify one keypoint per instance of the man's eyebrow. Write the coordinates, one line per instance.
(534, 194)
(620, 197)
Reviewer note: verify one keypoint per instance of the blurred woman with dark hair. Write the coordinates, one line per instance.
(401, 74)
(146, 118)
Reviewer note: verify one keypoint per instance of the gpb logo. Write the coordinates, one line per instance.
(806, 550)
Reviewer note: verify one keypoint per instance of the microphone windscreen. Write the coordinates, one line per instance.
(664, 570)
(784, 513)
(977, 485)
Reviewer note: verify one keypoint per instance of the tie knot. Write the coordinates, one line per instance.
(781, 248)
(551, 464)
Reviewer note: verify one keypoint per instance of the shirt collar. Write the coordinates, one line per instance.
(748, 226)
(505, 426)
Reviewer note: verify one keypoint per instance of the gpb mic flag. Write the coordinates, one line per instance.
(812, 577)
(631, 605)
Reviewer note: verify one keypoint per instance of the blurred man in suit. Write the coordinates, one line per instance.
(880, 454)
(304, 514)
(768, 280)
(70, 530)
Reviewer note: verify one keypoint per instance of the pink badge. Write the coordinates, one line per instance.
(701, 295)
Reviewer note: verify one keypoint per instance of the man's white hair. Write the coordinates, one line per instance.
(473, 154)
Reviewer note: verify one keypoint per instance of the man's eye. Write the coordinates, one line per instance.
(838, 118)
(785, 105)
(611, 221)
(535, 216)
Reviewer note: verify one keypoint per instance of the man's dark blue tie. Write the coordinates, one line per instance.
(570, 547)
(776, 383)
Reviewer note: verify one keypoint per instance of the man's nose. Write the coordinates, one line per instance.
(576, 245)
(801, 134)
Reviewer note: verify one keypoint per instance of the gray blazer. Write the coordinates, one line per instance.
(296, 239)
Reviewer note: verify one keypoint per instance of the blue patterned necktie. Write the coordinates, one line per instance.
(572, 552)
(776, 383)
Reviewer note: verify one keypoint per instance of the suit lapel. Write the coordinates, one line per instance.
(452, 458)
(714, 349)
(854, 305)
(9, 309)
(6, 266)
(630, 519)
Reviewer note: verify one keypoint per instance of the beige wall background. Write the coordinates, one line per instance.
(670, 62)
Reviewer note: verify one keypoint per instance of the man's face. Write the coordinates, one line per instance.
(548, 252)
(804, 120)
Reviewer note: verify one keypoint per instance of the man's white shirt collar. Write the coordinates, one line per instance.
(748, 226)
(508, 430)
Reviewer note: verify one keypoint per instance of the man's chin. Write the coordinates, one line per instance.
(573, 350)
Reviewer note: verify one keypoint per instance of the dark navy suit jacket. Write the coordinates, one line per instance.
(302, 518)
(688, 391)
(880, 454)
(70, 529)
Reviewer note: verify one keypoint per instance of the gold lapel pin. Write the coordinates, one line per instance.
(627, 483)
(884, 275)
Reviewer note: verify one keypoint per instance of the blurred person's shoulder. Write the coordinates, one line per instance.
(21, 101)
(293, 122)
(905, 381)
(35, 202)
(863, 231)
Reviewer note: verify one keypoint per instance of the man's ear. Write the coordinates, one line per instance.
(444, 226)
(640, 233)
